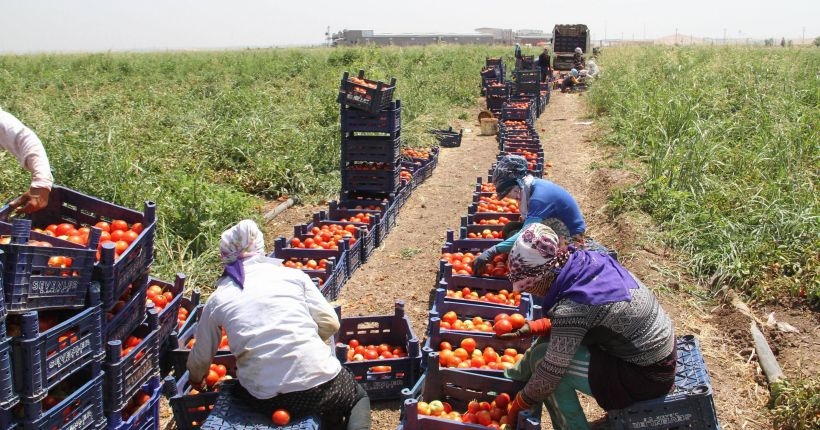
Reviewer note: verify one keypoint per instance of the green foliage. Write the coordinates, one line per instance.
(796, 405)
(729, 139)
(209, 136)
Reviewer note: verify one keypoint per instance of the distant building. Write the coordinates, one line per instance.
(482, 36)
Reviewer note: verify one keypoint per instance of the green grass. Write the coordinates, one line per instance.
(210, 136)
(728, 138)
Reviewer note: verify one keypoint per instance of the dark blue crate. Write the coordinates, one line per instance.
(494, 61)
(66, 205)
(179, 352)
(126, 373)
(7, 417)
(521, 76)
(8, 397)
(43, 360)
(30, 283)
(366, 234)
(118, 325)
(388, 120)
(191, 410)
(691, 404)
(364, 97)
(380, 181)
(194, 308)
(335, 213)
(458, 388)
(144, 418)
(81, 409)
(168, 316)
(381, 149)
(230, 413)
(2, 302)
(394, 330)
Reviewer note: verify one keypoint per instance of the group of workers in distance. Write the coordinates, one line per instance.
(604, 333)
(581, 73)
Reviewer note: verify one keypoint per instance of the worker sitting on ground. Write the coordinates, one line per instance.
(570, 81)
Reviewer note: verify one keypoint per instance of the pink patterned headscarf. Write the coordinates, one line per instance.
(535, 258)
(238, 243)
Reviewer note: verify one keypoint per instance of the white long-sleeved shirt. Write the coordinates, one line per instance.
(27, 148)
(277, 326)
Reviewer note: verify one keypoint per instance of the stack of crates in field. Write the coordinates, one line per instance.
(79, 322)
(493, 73)
(527, 84)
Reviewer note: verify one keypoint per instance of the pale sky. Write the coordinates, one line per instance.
(28, 26)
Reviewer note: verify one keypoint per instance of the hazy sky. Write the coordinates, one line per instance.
(117, 25)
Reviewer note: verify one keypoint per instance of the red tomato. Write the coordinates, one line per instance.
(104, 226)
(119, 224)
(502, 326)
(281, 417)
(137, 227)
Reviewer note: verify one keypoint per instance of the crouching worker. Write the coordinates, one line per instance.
(277, 323)
(570, 81)
(606, 335)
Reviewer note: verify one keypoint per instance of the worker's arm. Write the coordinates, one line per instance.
(30, 153)
(320, 310)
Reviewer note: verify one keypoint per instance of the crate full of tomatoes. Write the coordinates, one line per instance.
(331, 276)
(50, 346)
(370, 176)
(76, 403)
(191, 405)
(365, 94)
(460, 400)
(381, 351)
(166, 297)
(42, 272)
(387, 120)
(184, 342)
(131, 363)
(142, 410)
(366, 227)
(125, 244)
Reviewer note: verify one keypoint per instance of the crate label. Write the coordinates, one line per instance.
(358, 98)
(139, 372)
(70, 354)
(661, 421)
(61, 286)
(83, 421)
(383, 385)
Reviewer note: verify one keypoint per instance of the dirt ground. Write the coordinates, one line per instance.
(404, 267)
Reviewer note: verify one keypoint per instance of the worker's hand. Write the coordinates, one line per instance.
(539, 327)
(482, 259)
(31, 201)
(516, 406)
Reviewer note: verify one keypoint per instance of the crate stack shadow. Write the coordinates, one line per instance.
(83, 336)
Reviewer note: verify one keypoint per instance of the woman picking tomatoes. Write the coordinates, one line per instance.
(18, 139)
(277, 322)
(608, 336)
(540, 201)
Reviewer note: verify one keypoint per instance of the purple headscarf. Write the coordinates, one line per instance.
(539, 266)
(238, 243)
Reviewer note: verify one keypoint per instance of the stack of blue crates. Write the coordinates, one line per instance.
(72, 310)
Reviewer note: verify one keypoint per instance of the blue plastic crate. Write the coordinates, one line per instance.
(81, 409)
(387, 120)
(229, 413)
(379, 181)
(30, 283)
(178, 354)
(43, 360)
(67, 205)
(194, 308)
(146, 417)
(130, 315)
(169, 314)
(381, 149)
(2, 302)
(690, 406)
(190, 410)
(364, 97)
(458, 388)
(8, 397)
(394, 330)
(126, 373)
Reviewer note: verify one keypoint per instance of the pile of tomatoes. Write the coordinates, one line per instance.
(362, 82)
(487, 187)
(182, 317)
(135, 403)
(467, 355)
(327, 237)
(159, 297)
(502, 297)
(516, 124)
(117, 232)
(360, 217)
(130, 343)
(489, 414)
(485, 234)
(122, 302)
(369, 165)
(305, 263)
(462, 263)
(451, 321)
(405, 175)
(492, 204)
(416, 153)
(358, 352)
(223, 342)
(502, 220)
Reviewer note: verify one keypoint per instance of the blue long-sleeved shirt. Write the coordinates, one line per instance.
(549, 200)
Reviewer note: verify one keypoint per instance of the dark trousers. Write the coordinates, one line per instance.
(341, 403)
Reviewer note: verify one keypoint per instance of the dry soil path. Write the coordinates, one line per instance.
(404, 267)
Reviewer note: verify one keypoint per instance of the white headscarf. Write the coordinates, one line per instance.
(241, 241)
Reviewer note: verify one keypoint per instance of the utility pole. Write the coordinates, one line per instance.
(803, 40)
(676, 35)
(327, 36)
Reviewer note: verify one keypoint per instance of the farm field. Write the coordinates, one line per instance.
(699, 181)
